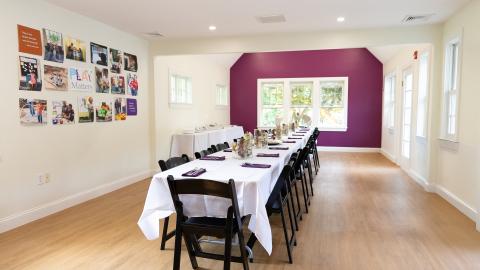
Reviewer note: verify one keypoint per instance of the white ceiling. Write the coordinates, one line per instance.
(191, 18)
(385, 53)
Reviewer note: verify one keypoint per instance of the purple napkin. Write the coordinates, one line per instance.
(288, 141)
(298, 135)
(278, 148)
(294, 138)
(194, 172)
(212, 158)
(227, 150)
(301, 131)
(305, 129)
(256, 165)
(268, 155)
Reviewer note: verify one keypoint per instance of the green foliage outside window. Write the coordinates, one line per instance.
(332, 94)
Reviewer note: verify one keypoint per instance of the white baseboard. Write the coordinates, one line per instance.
(347, 149)
(388, 156)
(463, 207)
(419, 180)
(19, 219)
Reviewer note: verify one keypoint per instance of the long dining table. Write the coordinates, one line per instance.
(253, 186)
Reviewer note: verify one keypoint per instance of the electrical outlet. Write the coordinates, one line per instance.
(41, 179)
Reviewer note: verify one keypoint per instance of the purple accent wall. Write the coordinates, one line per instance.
(365, 74)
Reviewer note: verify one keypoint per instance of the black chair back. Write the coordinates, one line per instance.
(214, 148)
(173, 162)
(222, 146)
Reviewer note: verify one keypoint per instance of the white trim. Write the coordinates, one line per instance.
(419, 180)
(388, 156)
(348, 149)
(463, 207)
(19, 219)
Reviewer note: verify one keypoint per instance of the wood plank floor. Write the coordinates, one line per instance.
(366, 214)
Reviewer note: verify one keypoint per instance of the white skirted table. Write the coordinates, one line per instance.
(253, 186)
(195, 142)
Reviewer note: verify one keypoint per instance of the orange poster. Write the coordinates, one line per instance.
(29, 40)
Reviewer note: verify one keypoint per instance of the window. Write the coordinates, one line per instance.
(451, 90)
(407, 112)
(333, 104)
(319, 101)
(301, 96)
(389, 102)
(422, 102)
(271, 95)
(221, 95)
(180, 89)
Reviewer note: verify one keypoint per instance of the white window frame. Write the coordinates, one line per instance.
(423, 95)
(315, 99)
(221, 92)
(188, 91)
(389, 100)
(451, 89)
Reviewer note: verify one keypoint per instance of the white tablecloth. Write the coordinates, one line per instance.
(191, 143)
(253, 187)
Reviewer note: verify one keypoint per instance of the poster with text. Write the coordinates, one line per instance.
(53, 46)
(56, 78)
(80, 79)
(32, 111)
(117, 84)
(30, 76)
(86, 112)
(102, 82)
(62, 113)
(98, 54)
(75, 49)
(29, 40)
(120, 109)
(132, 84)
(103, 111)
(131, 106)
(130, 61)
(116, 61)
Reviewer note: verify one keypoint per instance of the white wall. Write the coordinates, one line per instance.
(458, 171)
(418, 165)
(206, 72)
(83, 160)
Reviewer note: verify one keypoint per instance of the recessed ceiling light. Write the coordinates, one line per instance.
(212, 28)
(340, 19)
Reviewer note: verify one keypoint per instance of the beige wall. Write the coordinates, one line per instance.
(206, 73)
(83, 160)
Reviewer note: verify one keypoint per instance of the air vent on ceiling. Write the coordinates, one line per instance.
(153, 34)
(271, 19)
(417, 18)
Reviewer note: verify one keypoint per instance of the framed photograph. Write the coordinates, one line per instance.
(80, 79)
(30, 76)
(75, 49)
(102, 81)
(53, 46)
(56, 78)
(103, 111)
(86, 112)
(117, 84)
(116, 61)
(62, 113)
(132, 84)
(98, 54)
(32, 111)
(130, 62)
(120, 109)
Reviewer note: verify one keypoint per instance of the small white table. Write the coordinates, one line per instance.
(196, 142)
(253, 186)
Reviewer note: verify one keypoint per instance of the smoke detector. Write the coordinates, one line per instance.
(417, 18)
(278, 18)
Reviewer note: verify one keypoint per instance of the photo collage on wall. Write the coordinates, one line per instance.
(66, 68)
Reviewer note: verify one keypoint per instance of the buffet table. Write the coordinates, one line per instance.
(253, 186)
(195, 142)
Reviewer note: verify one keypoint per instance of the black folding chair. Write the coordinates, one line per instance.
(192, 228)
(214, 148)
(166, 165)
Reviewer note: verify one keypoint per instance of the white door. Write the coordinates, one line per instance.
(406, 134)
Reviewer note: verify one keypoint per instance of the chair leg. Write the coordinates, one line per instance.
(164, 234)
(189, 243)
(291, 213)
(290, 199)
(298, 215)
(178, 248)
(243, 251)
(285, 233)
(228, 248)
(310, 174)
(305, 192)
